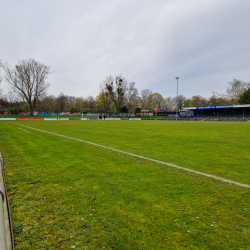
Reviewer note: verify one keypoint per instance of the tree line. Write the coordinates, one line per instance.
(28, 82)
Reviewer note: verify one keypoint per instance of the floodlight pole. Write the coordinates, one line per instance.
(177, 77)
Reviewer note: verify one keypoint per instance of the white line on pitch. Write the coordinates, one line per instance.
(24, 130)
(146, 158)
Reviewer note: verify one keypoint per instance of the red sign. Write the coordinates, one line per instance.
(29, 119)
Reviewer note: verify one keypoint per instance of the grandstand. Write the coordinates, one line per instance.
(223, 113)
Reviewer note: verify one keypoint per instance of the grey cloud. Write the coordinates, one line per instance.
(205, 43)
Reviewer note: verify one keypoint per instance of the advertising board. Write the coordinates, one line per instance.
(29, 119)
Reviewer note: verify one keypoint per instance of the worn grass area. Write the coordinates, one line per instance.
(65, 193)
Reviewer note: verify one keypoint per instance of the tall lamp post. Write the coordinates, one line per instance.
(177, 77)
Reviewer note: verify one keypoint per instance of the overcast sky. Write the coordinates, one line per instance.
(150, 42)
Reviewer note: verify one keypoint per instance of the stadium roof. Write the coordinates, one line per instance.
(220, 107)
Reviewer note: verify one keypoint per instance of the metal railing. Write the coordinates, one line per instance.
(6, 236)
(3, 244)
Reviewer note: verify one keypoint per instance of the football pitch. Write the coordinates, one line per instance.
(128, 184)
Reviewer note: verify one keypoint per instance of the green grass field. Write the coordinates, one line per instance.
(68, 194)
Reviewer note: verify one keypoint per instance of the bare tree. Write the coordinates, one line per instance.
(2, 94)
(236, 87)
(169, 103)
(3, 101)
(91, 102)
(1, 91)
(117, 89)
(180, 104)
(131, 97)
(48, 103)
(0, 71)
(28, 80)
(61, 103)
(219, 99)
(198, 101)
(103, 100)
(11, 96)
(146, 99)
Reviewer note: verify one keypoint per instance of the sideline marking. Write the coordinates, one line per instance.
(146, 158)
(24, 130)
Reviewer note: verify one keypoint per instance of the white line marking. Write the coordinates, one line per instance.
(146, 158)
(25, 130)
